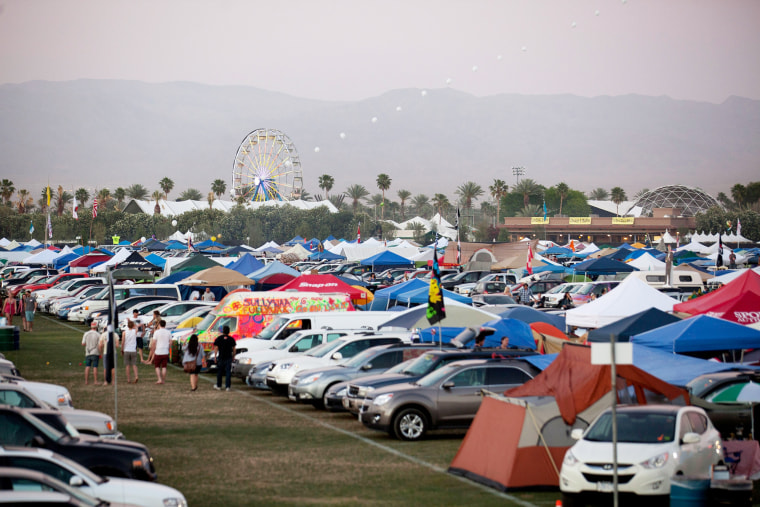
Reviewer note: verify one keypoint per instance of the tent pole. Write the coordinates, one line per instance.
(613, 378)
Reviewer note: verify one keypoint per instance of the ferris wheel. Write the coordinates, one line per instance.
(267, 168)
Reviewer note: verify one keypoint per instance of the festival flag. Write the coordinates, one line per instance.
(738, 227)
(544, 210)
(359, 233)
(529, 262)
(95, 208)
(31, 228)
(435, 310)
(47, 192)
(74, 209)
(190, 247)
(572, 245)
(49, 226)
(719, 258)
(459, 243)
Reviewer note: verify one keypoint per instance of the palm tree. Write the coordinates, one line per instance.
(498, 191)
(598, 194)
(210, 199)
(166, 185)
(25, 201)
(82, 196)
(326, 183)
(419, 230)
(191, 194)
(103, 195)
(337, 200)
(6, 191)
(531, 210)
(137, 192)
(468, 192)
(383, 183)
(356, 193)
(618, 195)
(62, 198)
(219, 187)
(562, 189)
(738, 194)
(403, 195)
(420, 202)
(375, 201)
(157, 195)
(441, 202)
(119, 194)
(527, 188)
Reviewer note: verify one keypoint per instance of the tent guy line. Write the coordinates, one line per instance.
(382, 447)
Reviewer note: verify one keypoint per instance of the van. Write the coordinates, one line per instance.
(247, 313)
(122, 292)
(687, 281)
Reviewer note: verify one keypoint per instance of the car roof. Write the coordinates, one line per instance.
(650, 409)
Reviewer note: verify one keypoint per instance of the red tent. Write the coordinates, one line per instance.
(321, 284)
(737, 301)
(89, 259)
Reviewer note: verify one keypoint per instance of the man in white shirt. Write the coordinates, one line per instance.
(159, 350)
(208, 295)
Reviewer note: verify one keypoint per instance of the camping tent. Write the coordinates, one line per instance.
(700, 334)
(137, 261)
(530, 315)
(626, 327)
(519, 333)
(196, 262)
(420, 296)
(245, 264)
(217, 276)
(385, 260)
(321, 284)
(737, 301)
(602, 266)
(628, 298)
(507, 432)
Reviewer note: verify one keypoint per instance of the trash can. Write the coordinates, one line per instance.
(688, 491)
(8, 337)
(735, 492)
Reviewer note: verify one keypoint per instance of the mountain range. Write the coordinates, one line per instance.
(110, 133)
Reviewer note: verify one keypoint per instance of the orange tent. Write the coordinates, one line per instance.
(549, 339)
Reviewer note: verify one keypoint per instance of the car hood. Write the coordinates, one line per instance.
(133, 492)
(382, 380)
(265, 356)
(397, 388)
(601, 452)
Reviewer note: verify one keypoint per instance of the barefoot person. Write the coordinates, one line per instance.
(91, 342)
(159, 351)
(129, 349)
(193, 354)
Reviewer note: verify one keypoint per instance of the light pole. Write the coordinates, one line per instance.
(517, 172)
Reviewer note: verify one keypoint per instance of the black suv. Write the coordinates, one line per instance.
(464, 277)
(417, 369)
(20, 428)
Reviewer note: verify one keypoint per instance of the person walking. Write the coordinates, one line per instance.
(525, 295)
(224, 351)
(193, 354)
(109, 361)
(159, 351)
(139, 335)
(129, 349)
(91, 342)
(29, 303)
(9, 308)
(208, 295)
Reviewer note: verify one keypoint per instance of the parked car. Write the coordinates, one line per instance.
(64, 289)
(448, 397)
(592, 290)
(282, 371)
(109, 489)
(85, 421)
(52, 394)
(554, 296)
(731, 419)
(655, 442)
(489, 284)
(21, 486)
(537, 287)
(310, 386)
(28, 276)
(56, 305)
(463, 277)
(493, 300)
(47, 283)
(360, 391)
(19, 428)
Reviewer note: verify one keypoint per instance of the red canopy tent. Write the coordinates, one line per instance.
(737, 301)
(321, 284)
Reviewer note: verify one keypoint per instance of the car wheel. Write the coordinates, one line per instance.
(572, 500)
(410, 424)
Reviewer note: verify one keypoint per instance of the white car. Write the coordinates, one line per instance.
(553, 297)
(52, 394)
(109, 489)
(655, 442)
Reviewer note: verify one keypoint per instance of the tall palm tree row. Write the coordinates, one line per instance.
(498, 191)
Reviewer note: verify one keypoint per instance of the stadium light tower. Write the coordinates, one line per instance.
(517, 172)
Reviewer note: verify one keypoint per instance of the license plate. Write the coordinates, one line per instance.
(604, 487)
(346, 403)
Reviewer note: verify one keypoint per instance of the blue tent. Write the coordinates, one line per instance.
(246, 263)
(271, 269)
(385, 260)
(81, 250)
(176, 245)
(175, 277)
(637, 323)
(420, 296)
(620, 254)
(672, 368)
(156, 259)
(208, 244)
(530, 315)
(557, 250)
(433, 334)
(552, 268)
(520, 334)
(700, 334)
(326, 255)
(651, 251)
(64, 260)
(603, 266)
(295, 241)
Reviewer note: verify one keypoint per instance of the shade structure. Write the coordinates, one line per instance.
(700, 334)
(737, 301)
(217, 276)
(638, 323)
(531, 315)
(131, 274)
(602, 266)
(245, 264)
(323, 284)
(420, 296)
(457, 315)
(519, 333)
(197, 262)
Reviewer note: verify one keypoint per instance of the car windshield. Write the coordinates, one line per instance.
(585, 289)
(420, 365)
(206, 322)
(287, 342)
(434, 377)
(44, 428)
(325, 348)
(360, 358)
(634, 427)
(558, 288)
(269, 331)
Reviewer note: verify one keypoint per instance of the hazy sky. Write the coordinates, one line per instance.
(702, 50)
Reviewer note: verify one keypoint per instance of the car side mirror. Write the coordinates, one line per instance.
(37, 441)
(448, 385)
(576, 434)
(76, 481)
(367, 366)
(690, 438)
(337, 356)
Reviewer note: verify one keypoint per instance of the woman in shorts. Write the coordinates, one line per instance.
(193, 353)
(129, 349)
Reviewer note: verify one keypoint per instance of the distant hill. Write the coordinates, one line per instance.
(98, 134)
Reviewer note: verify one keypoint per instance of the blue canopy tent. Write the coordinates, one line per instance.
(156, 259)
(434, 334)
(64, 260)
(700, 334)
(530, 315)
(651, 251)
(385, 260)
(175, 277)
(620, 254)
(384, 297)
(520, 334)
(176, 245)
(208, 244)
(298, 240)
(637, 323)
(153, 245)
(675, 369)
(420, 296)
(603, 266)
(246, 263)
(556, 250)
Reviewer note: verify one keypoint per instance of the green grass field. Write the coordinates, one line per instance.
(248, 447)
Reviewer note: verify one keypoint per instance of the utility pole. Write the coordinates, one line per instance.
(517, 172)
